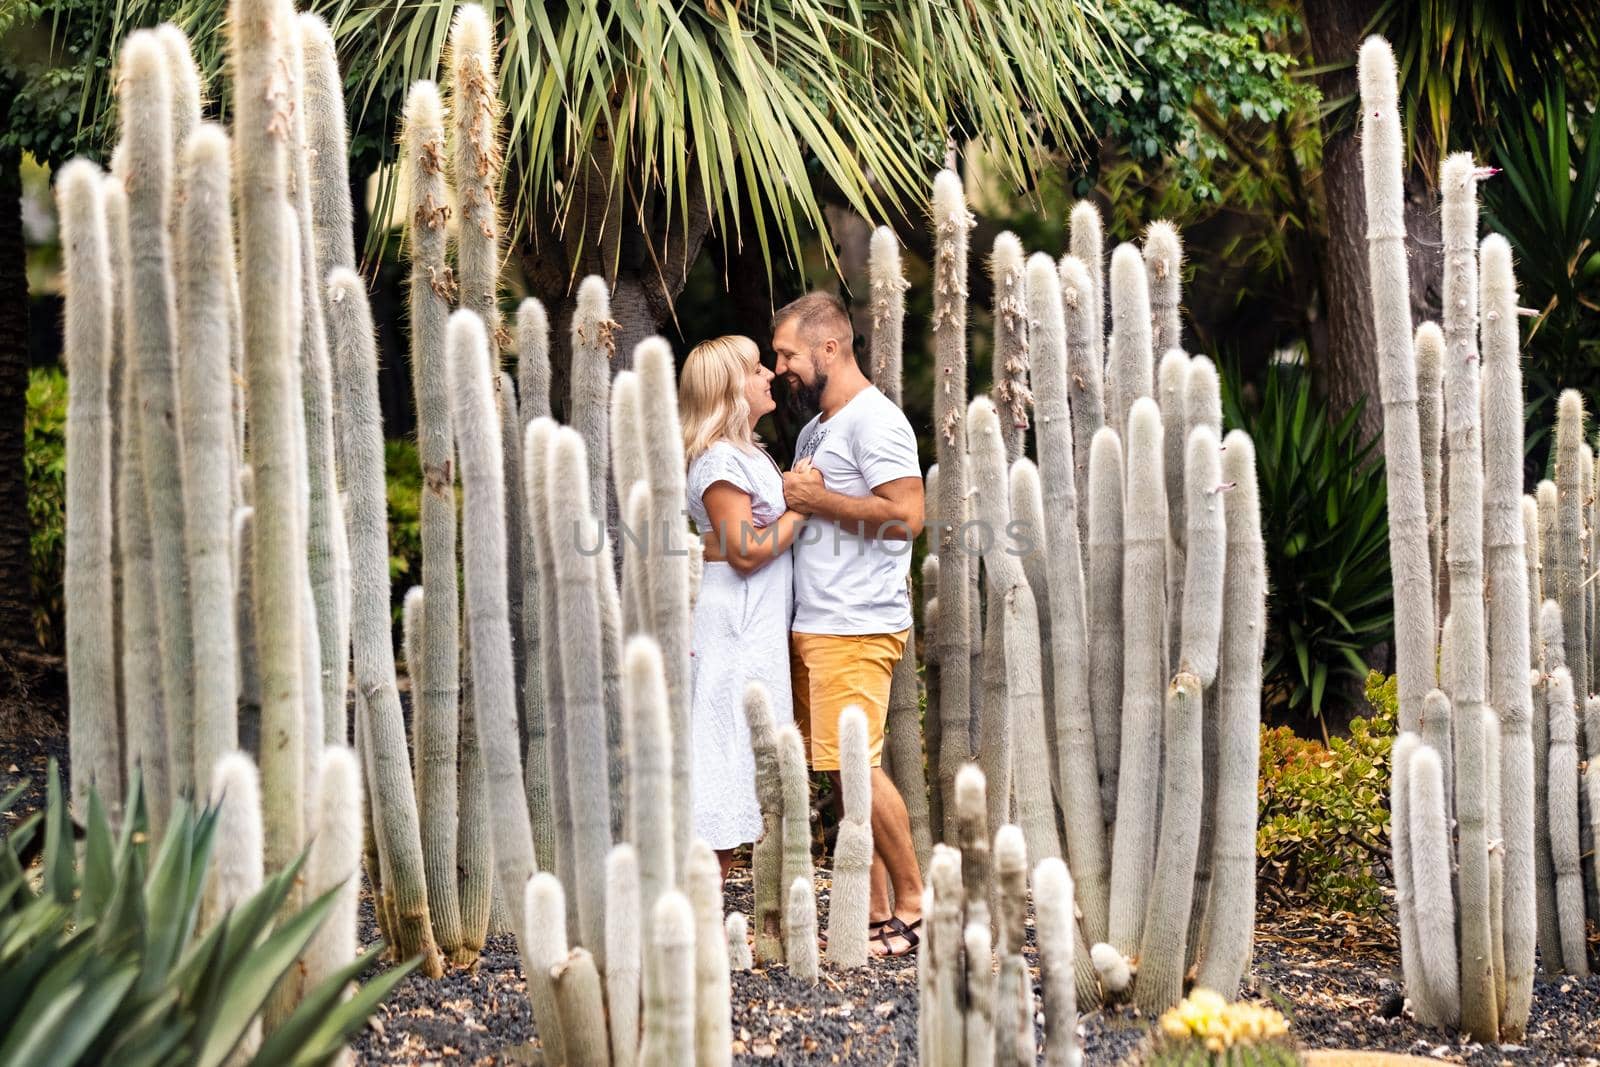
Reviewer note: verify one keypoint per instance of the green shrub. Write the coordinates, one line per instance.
(1325, 520)
(1323, 832)
(402, 472)
(45, 468)
(102, 965)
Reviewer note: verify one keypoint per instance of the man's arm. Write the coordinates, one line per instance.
(893, 512)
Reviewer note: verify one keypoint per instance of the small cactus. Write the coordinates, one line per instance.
(737, 930)
(624, 953)
(766, 856)
(1054, 922)
(713, 1027)
(669, 1004)
(852, 863)
(335, 862)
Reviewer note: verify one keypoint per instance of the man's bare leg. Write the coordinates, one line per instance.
(878, 908)
(725, 862)
(891, 843)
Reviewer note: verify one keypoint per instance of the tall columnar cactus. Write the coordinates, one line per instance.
(796, 815)
(1011, 327)
(91, 641)
(545, 920)
(1132, 352)
(1569, 547)
(766, 855)
(328, 149)
(1550, 655)
(1381, 155)
(952, 225)
(206, 389)
(1013, 1013)
(1144, 619)
(1439, 999)
(979, 999)
(1162, 958)
(1163, 261)
(624, 953)
(327, 551)
(1563, 802)
(145, 99)
(1205, 555)
(335, 863)
(533, 401)
(594, 351)
(396, 823)
(852, 862)
(436, 703)
(1224, 947)
(1464, 559)
(1106, 611)
(972, 822)
(581, 667)
(269, 358)
(475, 165)
(888, 294)
(1077, 763)
(1507, 563)
(1172, 374)
(713, 1020)
(236, 872)
(484, 562)
(535, 474)
(1085, 372)
(1086, 240)
(669, 570)
(800, 937)
(1022, 700)
(669, 1004)
(1053, 920)
(481, 908)
(650, 770)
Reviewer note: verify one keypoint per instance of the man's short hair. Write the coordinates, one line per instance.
(818, 317)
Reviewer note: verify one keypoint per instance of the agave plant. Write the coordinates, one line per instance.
(1323, 500)
(101, 964)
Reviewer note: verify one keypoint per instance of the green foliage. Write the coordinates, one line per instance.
(1547, 204)
(45, 467)
(1202, 81)
(1323, 825)
(1324, 515)
(101, 964)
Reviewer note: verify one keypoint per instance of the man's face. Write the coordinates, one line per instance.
(802, 366)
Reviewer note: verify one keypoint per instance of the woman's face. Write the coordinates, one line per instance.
(758, 391)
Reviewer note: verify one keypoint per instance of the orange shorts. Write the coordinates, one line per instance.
(829, 673)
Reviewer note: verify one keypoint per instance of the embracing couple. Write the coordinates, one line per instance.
(804, 588)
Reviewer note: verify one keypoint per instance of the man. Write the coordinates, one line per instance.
(856, 475)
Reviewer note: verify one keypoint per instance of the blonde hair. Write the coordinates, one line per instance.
(711, 401)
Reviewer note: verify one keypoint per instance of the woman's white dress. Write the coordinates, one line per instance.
(741, 634)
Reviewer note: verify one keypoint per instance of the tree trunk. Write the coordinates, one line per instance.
(17, 636)
(1349, 373)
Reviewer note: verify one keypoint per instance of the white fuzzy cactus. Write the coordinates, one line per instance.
(852, 864)
(713, 1023)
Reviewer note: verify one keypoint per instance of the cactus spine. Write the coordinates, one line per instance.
(91, 642)
(852, 853)
(1144, 559)
(713, 1024)
(206, 392)
(436, 711)
(952, 225)
(623, 953)
(1224, 949)
(766, 855)
(1507, 562)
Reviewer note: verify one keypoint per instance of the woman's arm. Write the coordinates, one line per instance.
(735, 539)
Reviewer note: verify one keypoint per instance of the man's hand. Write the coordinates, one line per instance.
(802, 487)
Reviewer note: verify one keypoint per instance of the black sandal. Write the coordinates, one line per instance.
(894, 926)
(872, 932)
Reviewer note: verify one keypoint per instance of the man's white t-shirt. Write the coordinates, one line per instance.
(844, 583)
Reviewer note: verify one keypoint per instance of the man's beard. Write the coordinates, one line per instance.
(807, 399)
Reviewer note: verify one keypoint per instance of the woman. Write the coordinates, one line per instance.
(741, 615)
